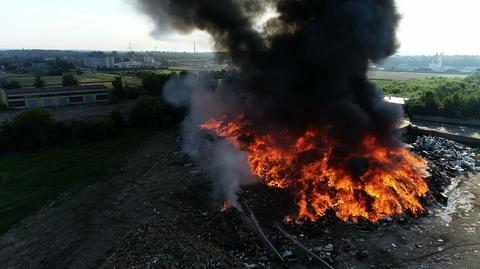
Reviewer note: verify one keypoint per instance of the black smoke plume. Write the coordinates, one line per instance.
(308, 66)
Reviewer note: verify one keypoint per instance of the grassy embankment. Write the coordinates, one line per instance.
(29, 180)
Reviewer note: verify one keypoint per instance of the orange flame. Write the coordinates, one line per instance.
(392, 183)
(226, 206)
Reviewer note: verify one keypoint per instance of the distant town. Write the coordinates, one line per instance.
(56, 78)
(53, 62)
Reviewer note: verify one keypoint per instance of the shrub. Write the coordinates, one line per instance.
(30, 129)
(69, 80)
(13, 85)
(95, 130)
(59, 133)
(148, 111)
(38, 82)
(118, 90)
(118, 119)
(154, 83)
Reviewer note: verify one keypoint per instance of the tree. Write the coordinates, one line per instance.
(13, 85)
(38, 82)
(30, 129)
(118, 87)
(118, 119)
(452, 106)
(154, 83)
(473, 78)
(152, 111)
(431, 102)
(147, 111)
(69, 80)
(11, 68)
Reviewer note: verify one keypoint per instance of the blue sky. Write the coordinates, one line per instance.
(428, 26)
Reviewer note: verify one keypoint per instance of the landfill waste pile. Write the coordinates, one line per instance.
(447, 159)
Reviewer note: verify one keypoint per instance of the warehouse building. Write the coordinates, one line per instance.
(54, 96)
(99, 62)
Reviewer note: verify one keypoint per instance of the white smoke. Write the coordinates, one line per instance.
(227, 165)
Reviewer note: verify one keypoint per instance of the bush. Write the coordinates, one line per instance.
(118, 119)
(95, 130)
(38, 82)
(454, 98)
(59, 133)
(35, 128)
(154, 83)
(30, 129)
(152, 111)
(69, 80)
(118, 90)
(13, 85)
(148, 111)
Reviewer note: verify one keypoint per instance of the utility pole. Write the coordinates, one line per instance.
(194, 47)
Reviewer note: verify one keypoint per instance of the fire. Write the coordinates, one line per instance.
(226, 206)
(391, 182)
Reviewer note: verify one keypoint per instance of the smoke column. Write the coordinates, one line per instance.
(306, 67)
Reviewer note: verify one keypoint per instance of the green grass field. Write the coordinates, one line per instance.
(29, 180)
(26, 80)
(383, 75)
(194, 69)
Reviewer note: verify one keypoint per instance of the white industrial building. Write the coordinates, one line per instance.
(99, 62)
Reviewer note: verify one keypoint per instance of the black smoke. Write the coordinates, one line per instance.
(307, 67)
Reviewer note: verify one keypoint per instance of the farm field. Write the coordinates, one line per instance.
(180, 68)
(26, 80)
(384, 75)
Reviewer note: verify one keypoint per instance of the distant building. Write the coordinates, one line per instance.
(437, 63)
(149, 60)
(99, 62)
(54, 96)
(129, 65)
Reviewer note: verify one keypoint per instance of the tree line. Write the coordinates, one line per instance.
(446, 97)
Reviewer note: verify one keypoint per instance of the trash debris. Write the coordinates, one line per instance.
(447, 159)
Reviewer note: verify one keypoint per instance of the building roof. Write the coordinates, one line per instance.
(82, 88)
(395, 100)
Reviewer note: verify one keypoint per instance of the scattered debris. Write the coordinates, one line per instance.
(446, 160)
(236, 237)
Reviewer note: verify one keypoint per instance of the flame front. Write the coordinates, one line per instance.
(226, 206)
(391, 183)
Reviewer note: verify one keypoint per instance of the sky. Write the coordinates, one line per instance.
(427, 27)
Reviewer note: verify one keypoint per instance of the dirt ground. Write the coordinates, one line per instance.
(158, 214)
(78, 230)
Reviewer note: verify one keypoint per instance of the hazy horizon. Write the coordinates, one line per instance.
(427, 27)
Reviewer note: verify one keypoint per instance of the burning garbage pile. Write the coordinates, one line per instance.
(299, 112)
(194, 234)
(390, 181)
